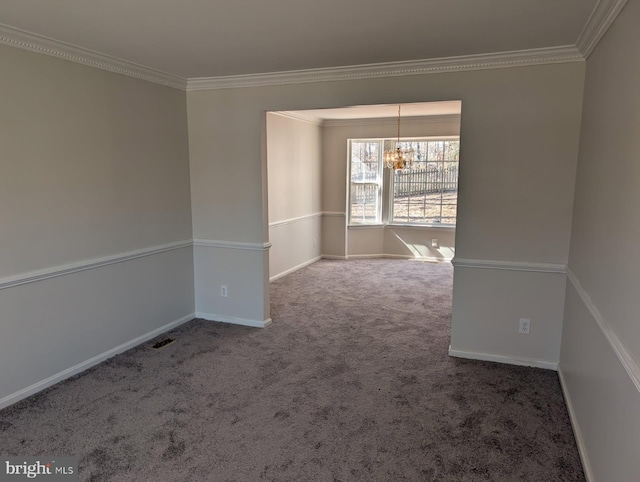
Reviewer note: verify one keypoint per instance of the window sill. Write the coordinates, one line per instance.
(402, 225)
(366, 226)
(446, 227)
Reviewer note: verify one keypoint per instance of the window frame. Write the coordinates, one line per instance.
(387, 188)
(380, 182)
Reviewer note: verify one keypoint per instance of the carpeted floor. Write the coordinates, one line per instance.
(351, 382)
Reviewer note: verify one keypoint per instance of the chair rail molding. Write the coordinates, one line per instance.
(509, 265)
(213, 243)
(39, 275)
(630, 364)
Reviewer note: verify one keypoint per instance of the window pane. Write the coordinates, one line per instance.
(428, 192)
(366, 182)
(365, 161)
(365, 205)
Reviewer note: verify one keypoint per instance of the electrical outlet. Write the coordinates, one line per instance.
(524, 326)
(224, 292)
(434, 243)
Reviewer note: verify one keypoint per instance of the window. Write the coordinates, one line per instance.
(426, 194)
(366, 182)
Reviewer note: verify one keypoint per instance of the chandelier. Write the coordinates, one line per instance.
(398, 158)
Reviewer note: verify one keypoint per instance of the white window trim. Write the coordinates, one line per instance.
(385, 194)
(380, 183)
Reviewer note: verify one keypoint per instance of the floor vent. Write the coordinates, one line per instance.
(162, 343)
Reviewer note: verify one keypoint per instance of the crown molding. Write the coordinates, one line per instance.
(299, 116)
(603, 15)
(519, 58)
(383, 121)
(15, 37)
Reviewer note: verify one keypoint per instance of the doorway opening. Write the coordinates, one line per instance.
(329, 195)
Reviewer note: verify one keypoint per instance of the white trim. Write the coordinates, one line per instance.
(294, 220)
(334, 256)
(549, 55)
(509, 265)
(384, 121)
(518, 58)
(22, 39)
(621, 350)
(366, 226)
(212, 243)
(602, 16)
(398, 256)
(295, 268)
(430, 227)
(33, 276)
(582, 447)
(80, 367)
(424, 227)
(233, 320)
(510, 360)
(299, 116)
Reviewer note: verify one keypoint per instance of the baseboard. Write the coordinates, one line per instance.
(582, 449)
(80, 367)
(234, 320)
(295, 268)
(333, 256)
(397, 256)
(510, 360)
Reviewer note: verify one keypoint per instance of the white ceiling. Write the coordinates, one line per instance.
(207, 38)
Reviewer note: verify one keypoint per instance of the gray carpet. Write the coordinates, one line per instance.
(351, 382)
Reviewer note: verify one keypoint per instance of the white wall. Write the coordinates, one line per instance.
(519, 140)
(600, 356)
(375, 241)
(95, 217)
(294, 158)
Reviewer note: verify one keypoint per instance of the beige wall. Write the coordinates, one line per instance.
(94, 202)
(293, 163)
(294, 158)
(601, 338)
(519, 140)
(94, 163)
